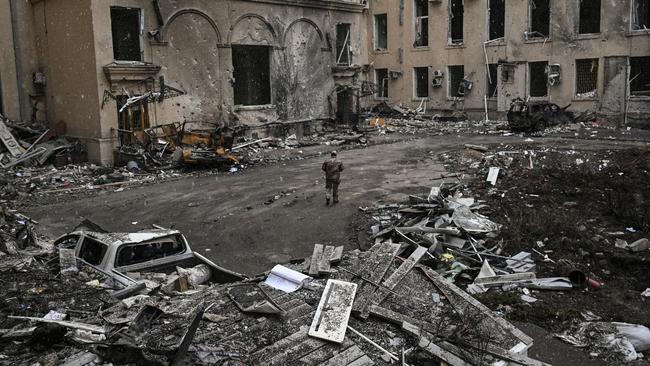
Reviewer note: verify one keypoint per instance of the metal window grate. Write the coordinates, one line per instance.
(586, 76)
(640, 76)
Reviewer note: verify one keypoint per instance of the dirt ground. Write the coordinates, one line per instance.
(250, 220)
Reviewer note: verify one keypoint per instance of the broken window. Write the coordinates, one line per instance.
(640, 76)
(421, 23)
(251, 70)
(540, 18)
(92, 251)
(492, 81)
(132, 120)
(586, 77)
(589, 16)
(507, 73)
(421, 76)
(538, 80)
(139, 253)
(497, 15)
(381, 79)
(456, 10)
(456, 76)
(640, 14)
(381, 32)
(343, 44)
(126, 29)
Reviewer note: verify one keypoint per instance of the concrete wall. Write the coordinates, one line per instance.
(18, 61)
(563, 47)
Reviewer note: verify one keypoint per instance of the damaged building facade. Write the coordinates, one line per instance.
(461, 55)
(110, 69)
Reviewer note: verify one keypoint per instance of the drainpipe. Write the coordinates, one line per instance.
(17, 56)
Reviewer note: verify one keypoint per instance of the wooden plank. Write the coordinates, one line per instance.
(315, 259)
(67, 324)
(363, 361)
(298, 311)
(440, 353)
(326, 352)
(296, 352)
(382, 261)
(446, 286)
(381, 293)
(324, 263)
(337, 255)
(9, 140)
(293, 303)
(278, 346)
(345, 357)
(333, 312)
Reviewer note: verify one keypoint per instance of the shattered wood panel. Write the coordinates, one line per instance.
(325, 353)
(380, 294)
(374, 270)
(296, 351)
(333, 312)
(345, 357)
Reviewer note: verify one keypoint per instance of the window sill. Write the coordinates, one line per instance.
(584, 99)
(639, 98)
(495, 42)
(637, 33)
(380, 52)
(455, 45)
(419, 99)
(421, 49)
(584, 36)
(455, 99)
(538, 99)
(260, 107)
(538, 40)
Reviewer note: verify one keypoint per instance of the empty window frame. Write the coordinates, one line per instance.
(456, 75)
(496, 15)
(640, 14)
(586, 77)
(538, 79)
(421, 23)
(640, 76)
(92, 251)
(589, 21)
(421, 82)
(456, 13)
(251, 70)
(126, 28)
(540, 18)
(143, 252)
(381, 80)
(381, 32)
(343, 56)
(491, 80)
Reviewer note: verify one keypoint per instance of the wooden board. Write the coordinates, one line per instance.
(345, 357)
(333, 312)
(381, 293)
(324, 262)
(381, 260)
(315, 259)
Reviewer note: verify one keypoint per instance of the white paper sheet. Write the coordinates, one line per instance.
(286, 279)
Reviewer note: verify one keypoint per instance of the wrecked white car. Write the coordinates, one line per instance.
(124, 257)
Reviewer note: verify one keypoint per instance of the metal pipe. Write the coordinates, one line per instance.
(17, 58)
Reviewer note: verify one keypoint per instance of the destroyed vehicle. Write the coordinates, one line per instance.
(536, 116)
(120, 255)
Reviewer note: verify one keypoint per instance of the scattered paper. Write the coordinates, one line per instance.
(286, 279)
(493, 175)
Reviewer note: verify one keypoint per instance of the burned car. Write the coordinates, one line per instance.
(536, 116)
(120, 256)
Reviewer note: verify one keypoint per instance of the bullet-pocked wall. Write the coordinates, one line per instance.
(252, 63)
(590, 47)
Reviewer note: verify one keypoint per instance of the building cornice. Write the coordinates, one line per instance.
(349, 6)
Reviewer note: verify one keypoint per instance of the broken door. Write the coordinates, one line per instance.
(132, 121)
(511, 84)
(345, 107)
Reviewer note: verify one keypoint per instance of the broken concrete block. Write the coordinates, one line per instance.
(640, 245)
